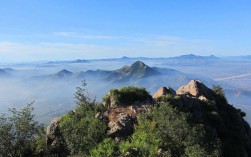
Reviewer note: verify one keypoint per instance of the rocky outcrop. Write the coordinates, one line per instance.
(196, 88)
(54, 138)
(123, 127)
(164, 91)
(220, 119)
(53, 131)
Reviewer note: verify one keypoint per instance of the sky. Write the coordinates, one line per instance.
(41, 30)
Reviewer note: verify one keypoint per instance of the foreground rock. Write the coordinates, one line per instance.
(54, 138)
(121, 120)
(123, 127)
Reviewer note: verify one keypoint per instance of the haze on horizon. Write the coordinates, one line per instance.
(65, 30)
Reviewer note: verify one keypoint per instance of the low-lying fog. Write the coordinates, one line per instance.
(53, 98)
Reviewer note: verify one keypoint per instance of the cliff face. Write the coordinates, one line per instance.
(204, 106)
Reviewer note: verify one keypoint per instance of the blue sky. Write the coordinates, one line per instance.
(32, 30)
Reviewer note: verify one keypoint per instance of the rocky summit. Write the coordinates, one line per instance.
(162, 91)
(196, 89)
(204, 107)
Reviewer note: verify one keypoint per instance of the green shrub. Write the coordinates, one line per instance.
(80, 129)
(107, 148)
(165, 98)
(176, 97)
(18, 133)
(81, 134)
(127, 95)
(180, 137)
(144, 141)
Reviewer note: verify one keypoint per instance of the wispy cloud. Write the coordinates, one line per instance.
(131, 45)
(11, 51)
(7, 47)
(86, 36)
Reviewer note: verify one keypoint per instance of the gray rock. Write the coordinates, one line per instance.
(123, 127)
(162, 91)
(52, 130)
(54, 138)
(196, 88)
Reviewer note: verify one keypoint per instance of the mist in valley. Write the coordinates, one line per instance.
(52, 85)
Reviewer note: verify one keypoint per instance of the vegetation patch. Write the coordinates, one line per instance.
(126, 96)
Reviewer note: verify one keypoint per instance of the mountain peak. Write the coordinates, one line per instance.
(64, 72)
(138, 64)
(140, 67)
(134, 72)
(189, 56)
(125, 57)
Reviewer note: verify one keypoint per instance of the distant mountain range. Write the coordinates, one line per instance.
(192, 56)
(183, 58)
(100, 81)
(74, 61)
(246, 57)
(136, 72)
(189, 56)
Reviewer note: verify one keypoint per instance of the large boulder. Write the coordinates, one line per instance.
(122, 127)
(52, 130)
(164, 91)
(54, 138)
(196, 88)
